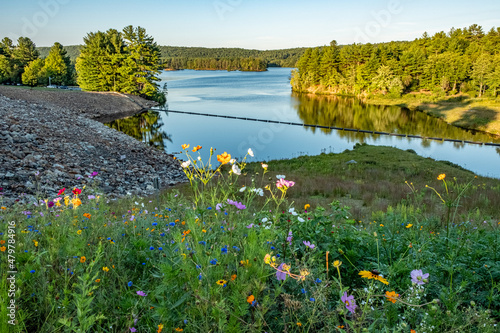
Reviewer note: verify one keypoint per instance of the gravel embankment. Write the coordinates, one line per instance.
(49, 140)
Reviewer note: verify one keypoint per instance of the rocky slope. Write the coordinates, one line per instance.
(50, 141)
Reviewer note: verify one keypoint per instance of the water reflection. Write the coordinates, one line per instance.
(146, 127)
(353, 113)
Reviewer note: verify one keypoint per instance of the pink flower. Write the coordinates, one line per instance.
(284, 183)
(309, 245)
(349, 302)
(141, 293)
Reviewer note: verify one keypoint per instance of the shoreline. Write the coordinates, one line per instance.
(463, 111)
(51, 140)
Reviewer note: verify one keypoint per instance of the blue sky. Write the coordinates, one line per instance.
(254, 24)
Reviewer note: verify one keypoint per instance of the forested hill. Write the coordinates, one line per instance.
(177, 57)
(463, 60)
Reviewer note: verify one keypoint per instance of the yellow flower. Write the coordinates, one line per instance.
(391, 296)
(304, 272)
(82, 259)
(441, 176)
(337, 263)
(4, 208)
(307, 206)
(76, 202)
(185, 146)
(372, 275)
(224, 158)
(58, 204)
(106, 269)
(79, 232)
(267, 258)
(195, 149)
(35, 242)
(286, 268)
(178, 329)
(221, 282)
(409, 226)
(160, 328)
(98, 280)
(66, 200)
(203, 230)
(299, 324)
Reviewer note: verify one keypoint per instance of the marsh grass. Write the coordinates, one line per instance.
(217, 264)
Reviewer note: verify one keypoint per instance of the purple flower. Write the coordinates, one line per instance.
(50, 204)
(280, 275)
(418, 277)
(91, 197)
(238, 205)
(349, 302)
(250, 226)
(309, 245)
(132, 329)
(289, 238)
(218, 206)
(141, 293)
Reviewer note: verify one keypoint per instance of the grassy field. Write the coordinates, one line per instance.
(262, 248)
(481, 114)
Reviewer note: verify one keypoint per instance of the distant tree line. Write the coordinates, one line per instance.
(463, 60)
(241, 64)
(177, 57)
(21, 63)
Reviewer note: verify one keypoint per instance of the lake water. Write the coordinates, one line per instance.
(267, 95)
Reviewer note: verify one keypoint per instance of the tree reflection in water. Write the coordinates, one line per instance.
(347, 112)
(145, 127)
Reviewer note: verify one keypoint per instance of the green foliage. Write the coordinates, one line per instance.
(127, 61)
(34, 73)
(445, 62)
(58, 65)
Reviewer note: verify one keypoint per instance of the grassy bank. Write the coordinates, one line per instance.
(481, 114)
(280, 254)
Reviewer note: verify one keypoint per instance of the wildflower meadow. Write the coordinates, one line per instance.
(233, 254)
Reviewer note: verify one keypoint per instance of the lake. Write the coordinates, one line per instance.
(268, 95)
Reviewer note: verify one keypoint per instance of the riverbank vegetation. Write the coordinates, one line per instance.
(229, 64)
(227, 258)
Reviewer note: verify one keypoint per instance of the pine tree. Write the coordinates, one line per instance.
(34, 73)
(58, 65)
(24, 53)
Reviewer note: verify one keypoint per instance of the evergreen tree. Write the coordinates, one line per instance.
(24, 53)
(58, 65)
(34, 73)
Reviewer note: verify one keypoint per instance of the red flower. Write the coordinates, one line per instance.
(76, 191)
(61, 191)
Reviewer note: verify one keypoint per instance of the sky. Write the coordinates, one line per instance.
(250, 24)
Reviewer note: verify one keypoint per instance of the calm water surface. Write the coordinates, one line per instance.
(268, 95)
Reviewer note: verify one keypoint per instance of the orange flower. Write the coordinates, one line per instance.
(233, 277)
(441, 176)
(195, 149)
(2, 249)
(2, 242)
(391, 296)
(98, 280)
(185, 233)
(82, 259)
(185, 146)
(413, 331)
(178, 329)
(250, 299)
(299, 324)
(306, 206)
(160, 328)
(4, 208)
(224, 158)
(87, 215)
(76, 202)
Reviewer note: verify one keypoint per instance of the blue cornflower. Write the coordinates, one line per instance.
(171, 224)
(318, 281)
(162, 234)
(213, 261)
(272, 247)
(154, 224)
(202, 242)
(303, 291)
(236, 248)
(199, 277)
(312, 299)
(151, 248)
(185, 321)
(209, 208)
(109, 238)
(144, 263)
(129, 284)
(198, 266)
(278, 255)
(224, 250)
(32, 271)
(160, 248)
